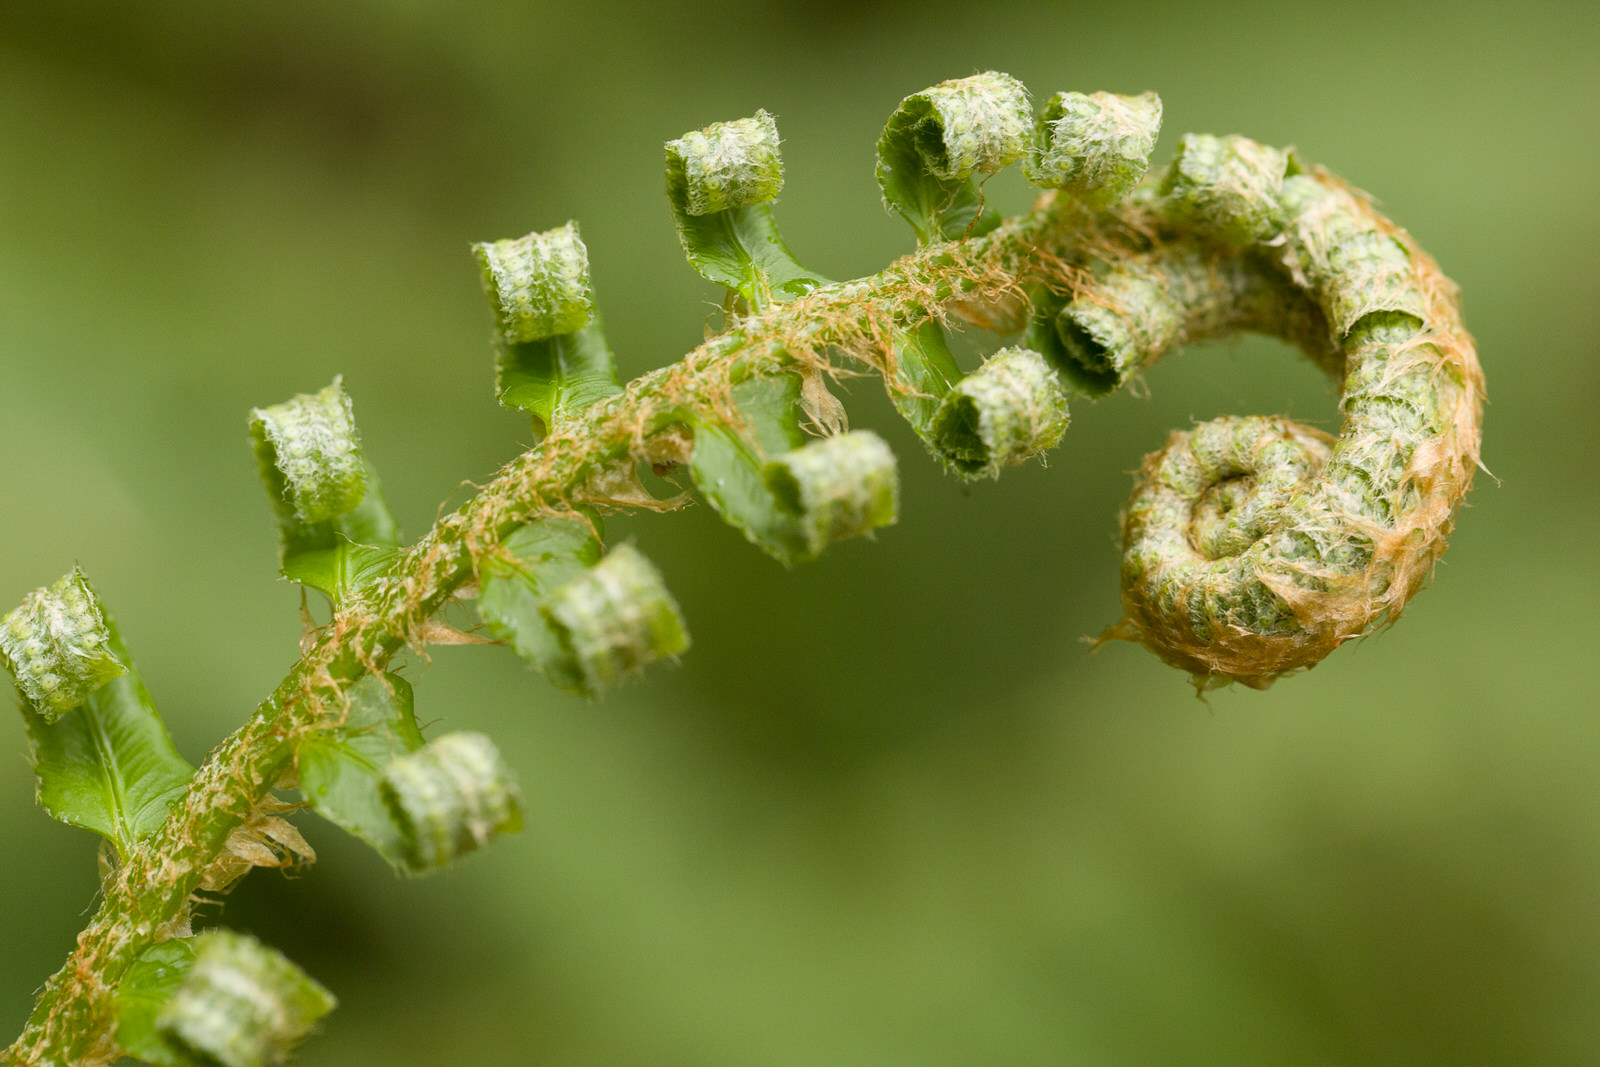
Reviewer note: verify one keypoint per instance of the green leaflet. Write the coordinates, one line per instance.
(335, 532)
(1009, 409)
(539, 557)
(719, 182)
(152, 980)
(836, 487)
(341, 569)
(938, 139)
(451, 797)
(340, 768)
(108, 765)
(728, 463)
(242, 1004)
(583, 621)
(791, 496)
(615, 618)
(551, 357)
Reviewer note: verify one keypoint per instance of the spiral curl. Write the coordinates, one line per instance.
(1253, 547)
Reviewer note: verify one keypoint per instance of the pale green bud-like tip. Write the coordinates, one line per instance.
(616, 617)
(838, 487)
(57, 644)
(311, 454)
(1229, 185)
(538, 284)
(1011, 408)
(242, 1004)
(729, 164)
(1096, 146)
(452, 796)
(983, 125)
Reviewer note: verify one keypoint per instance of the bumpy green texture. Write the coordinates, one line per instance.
(1096, 146)
(939, 138)
(1227, 185)
(57, 645)
(1196, 537)
(616, 617)
(538, 284)
(730, 164)
(982, 122)
(838, 487)
(1352, 267)
(1137, 309)
(450, 797)
(242, 1003)
(1255, 546)
(1009, 409)
(310, 447)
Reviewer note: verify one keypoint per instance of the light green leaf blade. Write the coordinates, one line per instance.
(924, 373)
(346, 554)
(729, 464)
(108, 765)
(540, 556)
(742, 249)
(554, 376)
(340, 767)
(370, 522)
(340, 570)
(147, 985)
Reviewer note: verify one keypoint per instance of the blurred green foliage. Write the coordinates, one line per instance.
(889, 810)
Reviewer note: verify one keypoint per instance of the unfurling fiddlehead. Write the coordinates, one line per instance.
(1252, 546)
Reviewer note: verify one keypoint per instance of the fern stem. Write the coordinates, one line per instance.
(588, 460)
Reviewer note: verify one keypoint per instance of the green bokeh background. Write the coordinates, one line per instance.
(889, 810)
